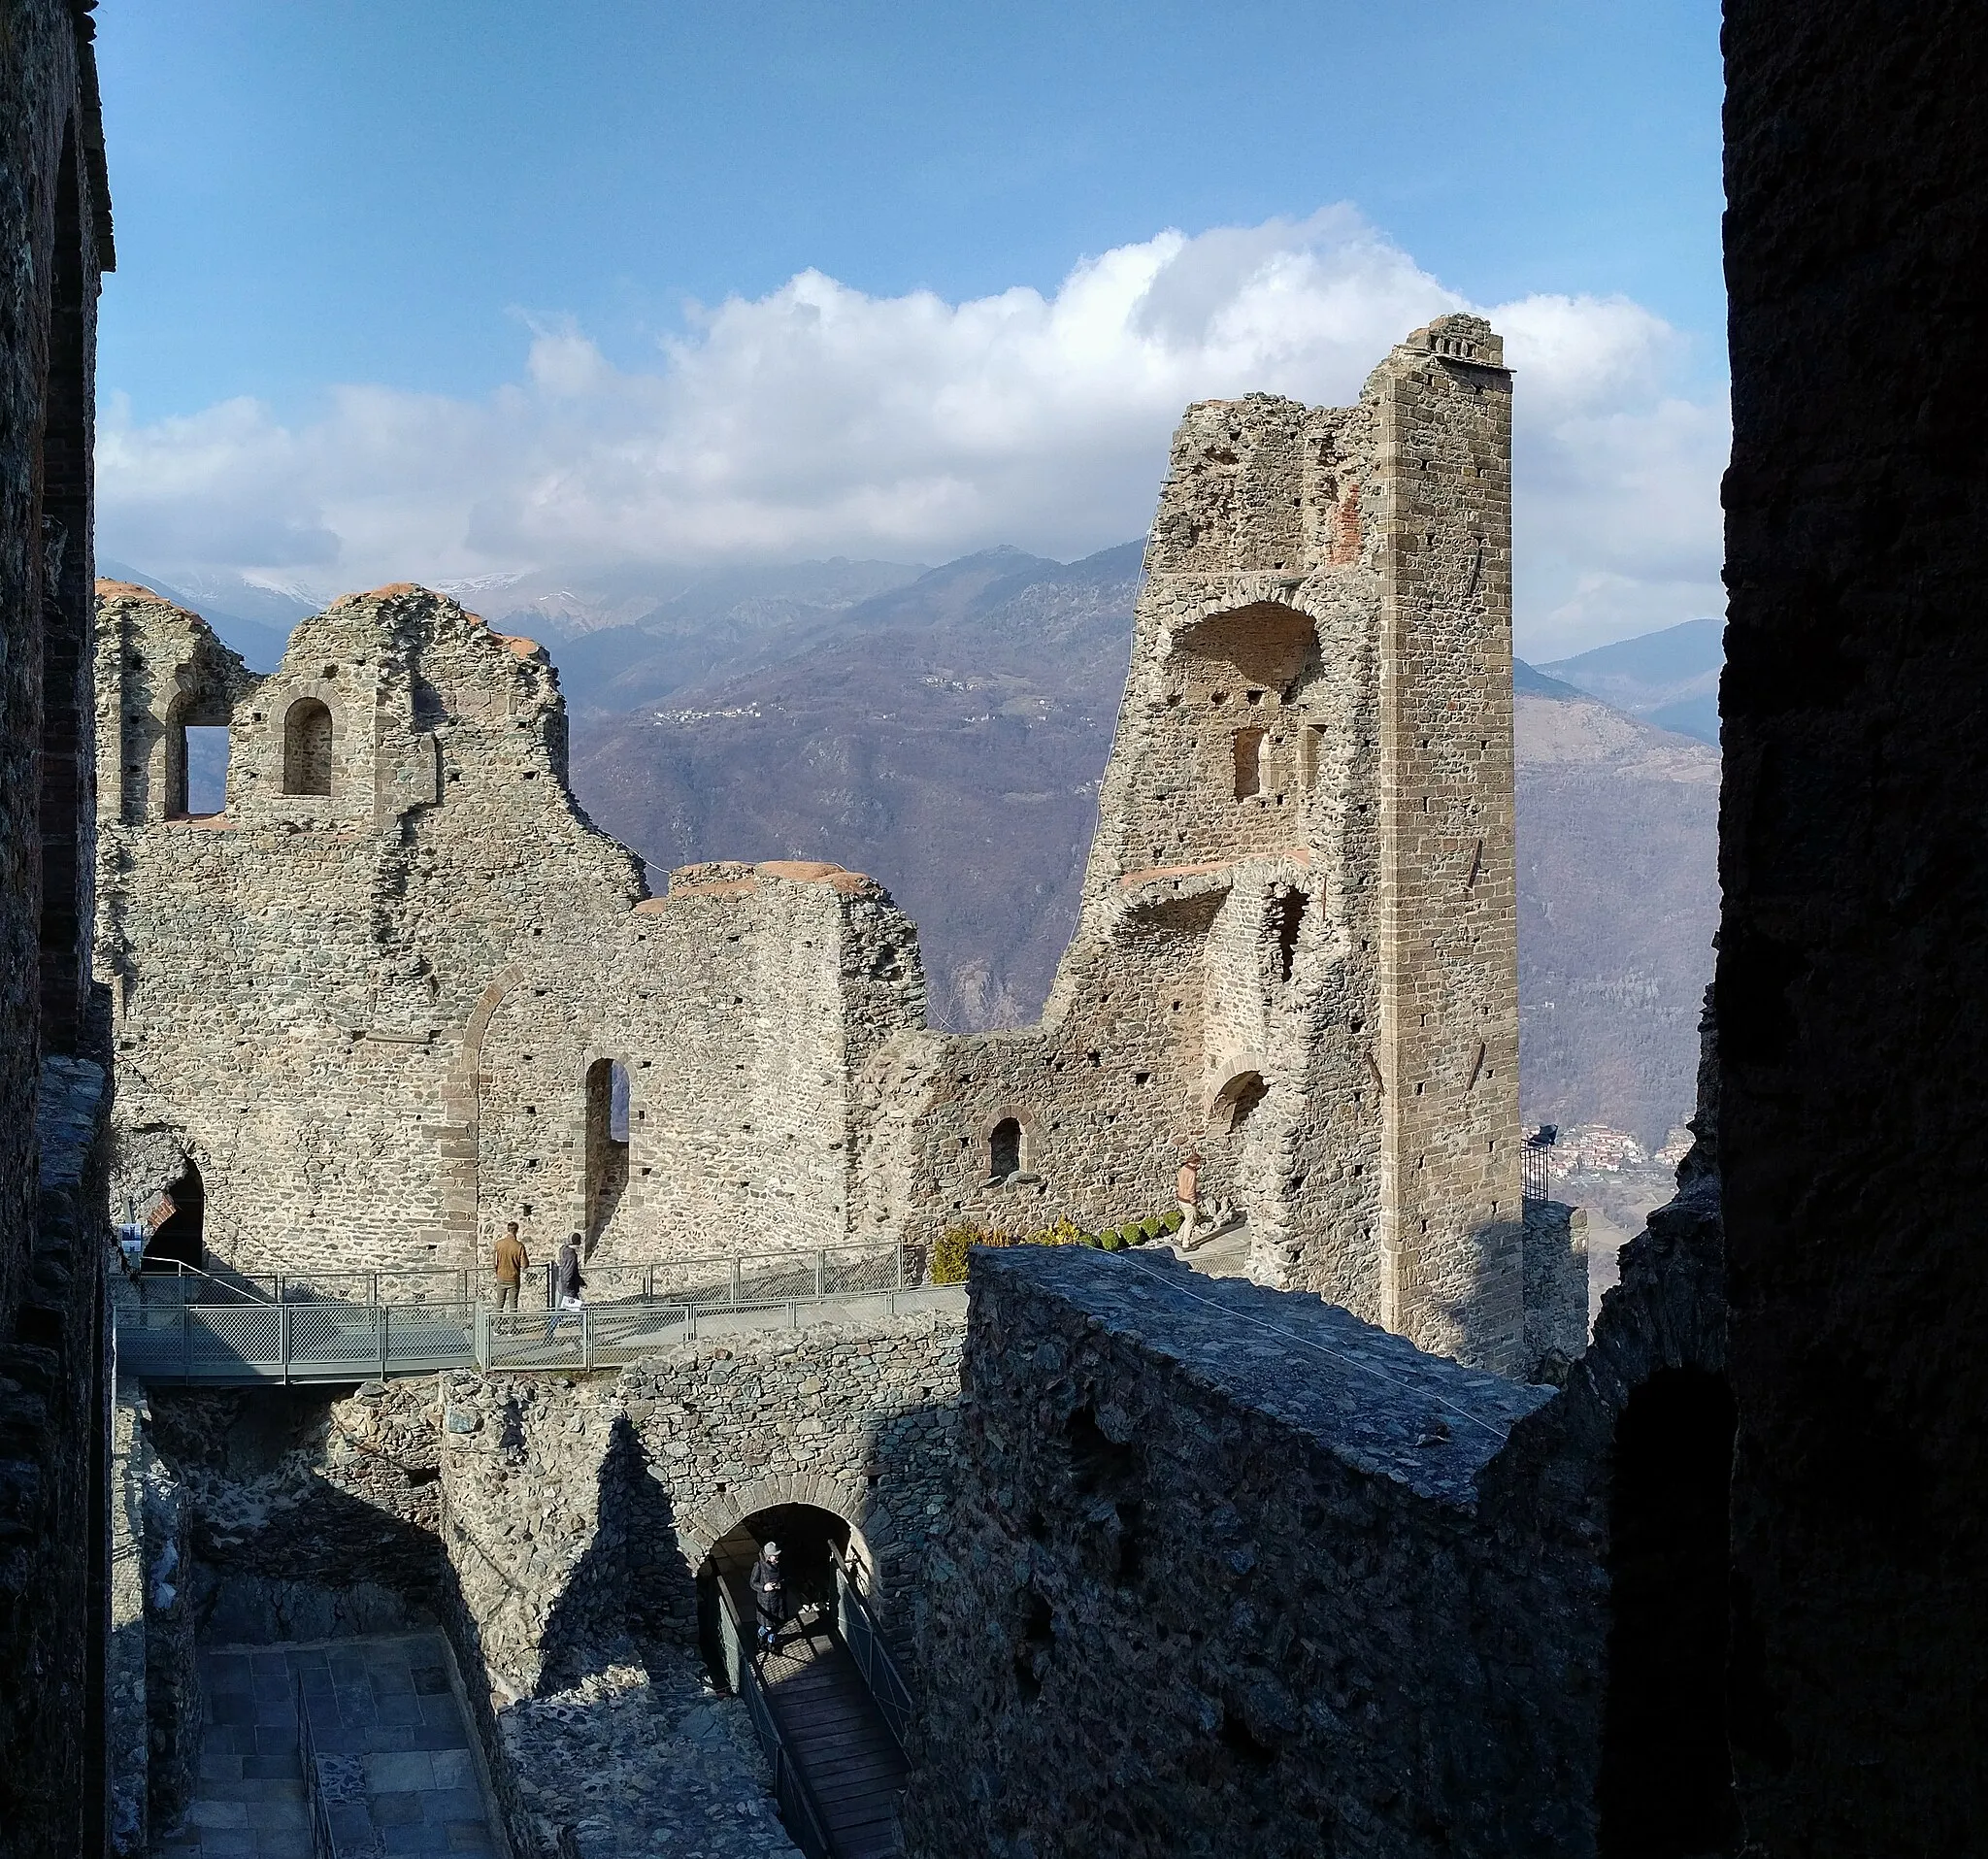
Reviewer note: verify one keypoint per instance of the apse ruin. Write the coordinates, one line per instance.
(399, 991)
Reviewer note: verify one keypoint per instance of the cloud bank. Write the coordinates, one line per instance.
(819, 420)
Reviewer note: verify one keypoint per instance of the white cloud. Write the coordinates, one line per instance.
(819, 420)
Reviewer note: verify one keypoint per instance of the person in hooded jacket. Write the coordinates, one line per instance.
(568, 1283)
(770, 1595)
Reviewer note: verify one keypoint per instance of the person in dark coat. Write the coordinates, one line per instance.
(770, 1595)
(568, 1283)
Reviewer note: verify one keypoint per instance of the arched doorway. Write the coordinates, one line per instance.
(810, 1539)
(179, 1239)
(815, 1707)
(606, 1144)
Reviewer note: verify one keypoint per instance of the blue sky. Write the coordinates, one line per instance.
(460, 289)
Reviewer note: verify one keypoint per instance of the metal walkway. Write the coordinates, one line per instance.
(832, 1714)
(252, 1338)
(839, 1738)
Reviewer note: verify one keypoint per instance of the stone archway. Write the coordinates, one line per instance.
(700, 1534)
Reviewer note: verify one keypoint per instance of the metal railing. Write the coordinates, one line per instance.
(1536, 1178)
(174, 1280)
(799, 1812)
(346, 1342)
(323, 1845)
(863, 1635)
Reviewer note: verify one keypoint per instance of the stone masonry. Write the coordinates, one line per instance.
(376, 1006)
(1231, 1571)
(54, 1100)
(1296, 948)
(380, 1018)
(556, 1527)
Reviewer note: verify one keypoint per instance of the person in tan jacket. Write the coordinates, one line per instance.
(513, 1262)
(1188, 1190)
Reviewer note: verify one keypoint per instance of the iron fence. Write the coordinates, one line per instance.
(1536, 1176)
(863, 1637)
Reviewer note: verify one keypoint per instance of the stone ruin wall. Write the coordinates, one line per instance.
(369, 1015)
(554, 1526)
(1297, 948)
(54, 1100)
(1231, 1570)
(372, 1014)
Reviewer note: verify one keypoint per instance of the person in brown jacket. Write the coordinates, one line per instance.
(512, 1263)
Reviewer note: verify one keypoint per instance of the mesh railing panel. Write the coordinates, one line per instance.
(348, 1339)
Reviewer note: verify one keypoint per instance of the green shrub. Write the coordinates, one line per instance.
(1064, 1232)
(1114, 1242)
(950, 1250)
(1170, 1222)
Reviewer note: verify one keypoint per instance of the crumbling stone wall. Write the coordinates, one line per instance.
(154, 1727)
(369, 1015)
(1298, 948)
(575, 1506)
(373, 999)
(1231, 1570)
(56, 238)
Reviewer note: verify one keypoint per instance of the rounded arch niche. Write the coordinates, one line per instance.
(307, 746)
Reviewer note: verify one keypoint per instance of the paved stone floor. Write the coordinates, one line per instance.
(385, 1704)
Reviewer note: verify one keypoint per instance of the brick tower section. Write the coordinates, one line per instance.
(1451, 1222)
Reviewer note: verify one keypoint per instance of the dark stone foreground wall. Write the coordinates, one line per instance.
(54, 238)
(1233, 1572)
(1853, 979)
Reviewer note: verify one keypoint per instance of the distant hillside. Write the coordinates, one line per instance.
(945, 730)
(1618, 899)
(1670, 678)
(948, 738)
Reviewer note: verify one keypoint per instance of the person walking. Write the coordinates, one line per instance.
(1188, 1190)
(513, 1262)
(769, 1596)
(567, 1285)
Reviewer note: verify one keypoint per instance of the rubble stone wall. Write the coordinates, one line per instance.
(373, 999)
(1297, 950)
(369, 1017)
(54, 244)
(1229, 1566)
(1855, 877)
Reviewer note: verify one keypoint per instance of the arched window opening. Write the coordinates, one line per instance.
(1004, 1149)
(1666, 1784)
(179, 1222)
(1236, 1099)
(307, 747)
(1248, 763)
(607, 1143)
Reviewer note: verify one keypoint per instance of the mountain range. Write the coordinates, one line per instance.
(945, 730)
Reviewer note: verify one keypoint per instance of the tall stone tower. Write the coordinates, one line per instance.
(1318, 722)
